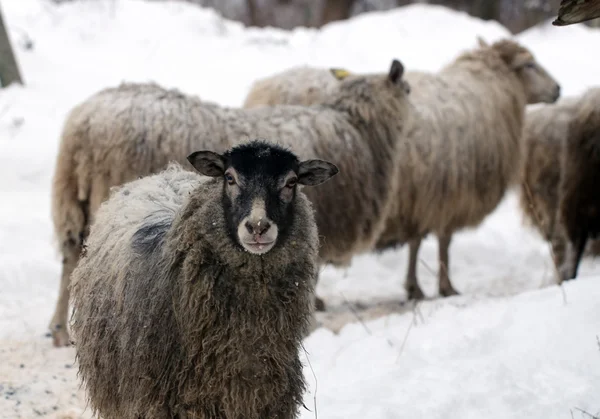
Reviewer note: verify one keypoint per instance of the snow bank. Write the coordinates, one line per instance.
(535, 355)
(510, 347)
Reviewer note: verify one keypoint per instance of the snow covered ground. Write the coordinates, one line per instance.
(513, 346)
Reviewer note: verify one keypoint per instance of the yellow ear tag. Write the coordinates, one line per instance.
(339, 73)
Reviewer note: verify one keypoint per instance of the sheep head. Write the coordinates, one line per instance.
(260, 182)
(538, 84)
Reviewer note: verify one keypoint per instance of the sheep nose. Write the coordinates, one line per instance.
(557, 91)
(259, 227)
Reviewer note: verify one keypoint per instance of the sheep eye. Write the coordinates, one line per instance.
(291, 183)
(530, 65)
(230, 179)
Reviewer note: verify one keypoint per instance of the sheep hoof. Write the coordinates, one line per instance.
(448, 292)
(564, 274)
(415, 293)
(60, 336)
(319, 304)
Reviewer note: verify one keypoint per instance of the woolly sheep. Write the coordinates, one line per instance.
(193, 295)
(579, 200)
(545, 133)
(134, 130)
(463, 151)
(465, 148)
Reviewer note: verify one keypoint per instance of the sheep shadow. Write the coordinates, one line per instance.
(338, 316)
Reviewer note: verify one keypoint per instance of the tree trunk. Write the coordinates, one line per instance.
(253, 13)
(577, 11)
(9, 70)
(336, 10)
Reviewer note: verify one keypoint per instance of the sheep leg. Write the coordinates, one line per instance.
(575, 249)
(412, 285)
(445, 286)
(313, 324)
(580, 249)
(558, 251)
(319, 304)
(58, 325)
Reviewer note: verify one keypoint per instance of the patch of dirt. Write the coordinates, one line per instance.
(39, 381)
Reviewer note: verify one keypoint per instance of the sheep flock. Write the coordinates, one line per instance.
(195, 232)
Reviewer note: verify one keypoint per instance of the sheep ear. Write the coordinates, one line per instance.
(208, 163)
(339, 73)
(315, 172)
(396, 71)
(481, 42)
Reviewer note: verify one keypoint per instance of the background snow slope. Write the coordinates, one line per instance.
(513, 345)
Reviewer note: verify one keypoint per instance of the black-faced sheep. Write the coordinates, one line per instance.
(547, 129)
(463, 150)
(194, 294)
(579, 196)
(134, 130)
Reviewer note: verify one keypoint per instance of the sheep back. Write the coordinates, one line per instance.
(171, 318)
(113, 137)
(301, 85)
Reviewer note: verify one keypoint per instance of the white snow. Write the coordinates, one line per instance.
(513, 346)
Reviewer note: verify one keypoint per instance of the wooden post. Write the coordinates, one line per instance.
(577, 11)
(336, 10)
(9, 70)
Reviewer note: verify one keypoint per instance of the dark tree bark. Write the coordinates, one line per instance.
(577, 11)
(253, 14)
(9, 70)
(483, 9)
(336, 10)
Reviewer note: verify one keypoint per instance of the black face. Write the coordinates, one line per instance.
(259, 187)
(260, 182)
